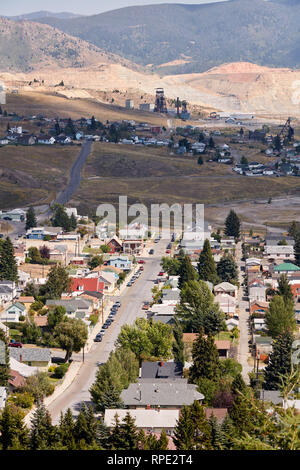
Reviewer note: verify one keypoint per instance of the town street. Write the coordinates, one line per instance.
(243, 352)
(131, 303)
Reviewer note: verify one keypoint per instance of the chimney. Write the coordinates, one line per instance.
(161, 363)
(21, 358)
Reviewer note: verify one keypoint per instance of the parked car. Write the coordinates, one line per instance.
(151, 252)
(111, 318)
(146, 306)
(141, 268)
(105, 326)
(117, 304)
(141, 261)
(102, 331)
(168, 251)
(15, 344)
(129, 284)
(161, 273)
(98, 338)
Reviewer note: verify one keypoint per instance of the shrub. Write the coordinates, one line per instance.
(23, 400)
(61, 370)
(94, 319)
(21, 318)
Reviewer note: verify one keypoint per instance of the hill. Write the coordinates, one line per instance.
(196, 37)
(26, 46)
(44, 14)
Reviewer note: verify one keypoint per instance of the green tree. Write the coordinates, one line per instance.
(294, 229)
(202, 430)
(39, 385)
(95, 261)
(58, 281)
(232, 225)
(170, 265)
(56, 316)
(280, 361)
(206, 265)
(178, 345)
(85, 429)
(67, 430)
(61, 218)
(4, 365)
(30, 219)
(197, 309)
(43, 434)
(206, 361)
(184, 431)
(217, 438)
(186, 272)
(34, 255)
(280, 316)
(227, 269)
(71, 334)
(244, 160)
(13, 432)
(8, 264)
(284, 288)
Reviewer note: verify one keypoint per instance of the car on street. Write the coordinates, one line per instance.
(161, 273)
(146, 306)
(98, 338)
(105, 326)
(102, 331)
(141, 261)
(168, 251)
(15, 344)
(129, 284)
(151, 252)
(111, 318)
(141, 268)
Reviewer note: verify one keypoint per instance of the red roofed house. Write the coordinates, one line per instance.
(81, 284)
(16, 380)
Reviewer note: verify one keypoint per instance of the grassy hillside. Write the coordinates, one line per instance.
(197, 37)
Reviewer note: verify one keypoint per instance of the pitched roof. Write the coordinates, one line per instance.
(176, 393)
(30, 354)
(16, 379)
(161, 369)
(86, 284)
(144, 418)
(219, 413)
(225, 286)
(286, 267)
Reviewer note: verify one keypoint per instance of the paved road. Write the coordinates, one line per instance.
(131, 303)
(75, 174)
(243, 352)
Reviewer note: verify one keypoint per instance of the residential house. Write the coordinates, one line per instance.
(161, 393)
(161, 370)
(121, 262)
(227, 303)
(36, 357)
(115, 244)
(133, 247)
(75, 308)
(286, 268)
(279, 252)
(79, 285)
(262, 345)
(13, 312)
(259, 307)
(223, 347)
(148, 420)
(226, 288)
(257, 291)
(170, 296)
(15, 381)
(259, 324)
(232, 323)
(46, 140)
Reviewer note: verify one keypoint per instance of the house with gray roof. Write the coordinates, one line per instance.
(161, 370)
(35, 357)
(13, 312)
(75, 308)
(170, 296)
(160, 393)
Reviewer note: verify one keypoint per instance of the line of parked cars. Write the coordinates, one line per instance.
(135, 276)
(108, 322)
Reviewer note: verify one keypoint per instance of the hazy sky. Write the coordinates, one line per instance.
(86, 7)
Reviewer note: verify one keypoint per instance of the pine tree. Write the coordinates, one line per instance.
(284, 288)
(103, 434)
(13, 432)
(184, 431)
(66, 430)
(294, 229)
(73, 222)
(116, 439)
(240, 414)
(178, 345)
(217, 438)
(280, 316)
(227, 269)
(232, 225)
(202, 430)
(163, 441)
(206, 266)
(206, 363)
(297, 249)
(30, 219)
(4, 365)
(130, 433)
(228, 432)
(280, 361)
(58, 281)
(43, 434)
(238, 385)
(186, 272)
(8, 265)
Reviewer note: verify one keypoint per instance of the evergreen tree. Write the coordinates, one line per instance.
(57, 128)
(13, 432)
(93, 123)
(61, 218)
(66, 430)
(277, 142)
(186, 272)
(240, 414)
(178, 345)
(228, 432)
(280, 316)
(73, 222)
(232, 225)
(70, 129)
(206, 363)
(8, 265)
(30, 219)
(280, 361)
(184, 430)
(284, 289)
(163, 441)
(238, 385)
(197, 309)
(206, 266)
(202, 430)
(297, 249)
(130, 433)
(217, 438)
(227, 269)
(85, 429)
(43, 434)
(4, 365)
(116, 439)
(294, 229)
(58, 281)
(103, 434)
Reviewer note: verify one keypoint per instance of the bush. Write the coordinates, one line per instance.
(23, 400)
(94, 319)
(39, 385)
(21, 318)
(61, 370)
